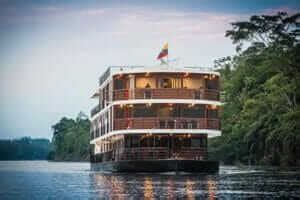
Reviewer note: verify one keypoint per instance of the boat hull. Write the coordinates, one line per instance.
(158, 166)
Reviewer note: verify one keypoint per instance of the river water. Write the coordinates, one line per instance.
(70, 180)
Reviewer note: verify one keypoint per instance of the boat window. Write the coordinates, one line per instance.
(120, 84)
(142, 82)
(193, 83)
(193, 111)
(203, 142)
(127, 142)
(147, 141)
(212, 84)
(170, 83)
(195, 142)
(119, 113)
(134, 141)
(186, 142)
(212, 113)
(143, 111)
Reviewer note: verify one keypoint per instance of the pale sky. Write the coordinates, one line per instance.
(53, 52)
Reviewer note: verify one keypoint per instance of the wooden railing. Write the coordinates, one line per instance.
(166, 123)
(191, 153)
(152, 153)
(145, 153)
(149, 153)
(166, 93)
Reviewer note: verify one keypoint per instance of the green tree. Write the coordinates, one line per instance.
(71, 139)
(261, 93)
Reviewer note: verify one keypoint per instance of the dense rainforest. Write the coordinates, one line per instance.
(261, 93)
(24, 149)
(71, 139)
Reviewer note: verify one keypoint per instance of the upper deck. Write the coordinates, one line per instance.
(118, 70)
(158, 84)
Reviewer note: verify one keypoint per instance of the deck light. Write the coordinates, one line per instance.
(213, 107)
(147, 74)
(186, 74)
(149, 104)
(191, 105)
(205, 77)
(119, 76)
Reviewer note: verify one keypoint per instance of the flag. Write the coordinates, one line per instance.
(163, 52)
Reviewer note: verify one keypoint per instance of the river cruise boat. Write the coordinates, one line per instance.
(155, 119)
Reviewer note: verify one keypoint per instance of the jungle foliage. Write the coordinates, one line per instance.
(71, 139)
(24, 148)
(261, 93)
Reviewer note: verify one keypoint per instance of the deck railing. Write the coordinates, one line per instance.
(95, 110)
(166, 93)
(166, 123)
(152, 153)
(148, 153)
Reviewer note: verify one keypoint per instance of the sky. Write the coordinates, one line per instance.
(53, 52)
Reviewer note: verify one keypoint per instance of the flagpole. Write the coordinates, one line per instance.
(168, 55)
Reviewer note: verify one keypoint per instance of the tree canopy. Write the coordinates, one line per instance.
(261, 92)
(71, 139)
(24, 148)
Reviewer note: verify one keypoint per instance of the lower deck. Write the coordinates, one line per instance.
(171, 165)
(151, 147)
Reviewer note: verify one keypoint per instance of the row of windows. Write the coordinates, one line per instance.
(157, 141)
(140, 110)
(166, 82)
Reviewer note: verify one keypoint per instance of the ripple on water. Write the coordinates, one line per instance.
(71, 180)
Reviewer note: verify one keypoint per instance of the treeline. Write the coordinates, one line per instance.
(261, 93)
(24, 149)
(71, 139)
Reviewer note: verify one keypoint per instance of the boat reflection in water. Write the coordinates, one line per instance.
(153, 186)
(148, 188)
(211, 189)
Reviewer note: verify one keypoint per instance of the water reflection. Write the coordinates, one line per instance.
(51, 180)
(211, 189)
(170, 188)
(153, 186)
(189, 189)
(148, 188)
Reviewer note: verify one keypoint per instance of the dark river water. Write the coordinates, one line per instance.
(58, 180)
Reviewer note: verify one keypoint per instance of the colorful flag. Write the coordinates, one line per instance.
(163, 52)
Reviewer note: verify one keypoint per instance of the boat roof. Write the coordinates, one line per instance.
(114, 70)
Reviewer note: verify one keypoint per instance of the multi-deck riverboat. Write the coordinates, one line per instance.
(151, 119)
